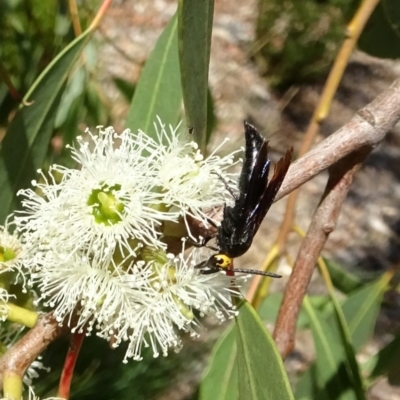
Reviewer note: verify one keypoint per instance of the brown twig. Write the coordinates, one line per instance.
(323, 223)
(18, 358)
(367, 128)
(343, 152)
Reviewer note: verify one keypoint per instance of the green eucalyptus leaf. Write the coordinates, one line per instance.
(70, 128)
(26, 143)
(195, 27)
(261, 372)
(307, 387)
(385, 362)
(329, 379)
(381, 35)
(95, 107)
(343, 280)
(158, 91)
(74, 90)
(220, 380)
(269, 308)
(211, 117)
(361, 310)
(353, 367)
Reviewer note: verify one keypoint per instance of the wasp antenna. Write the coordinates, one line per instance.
(257, 272)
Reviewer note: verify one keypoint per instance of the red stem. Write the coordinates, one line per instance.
(69, 365)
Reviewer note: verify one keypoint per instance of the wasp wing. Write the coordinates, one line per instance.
(254, 143)
(241, 222)
(270, 190)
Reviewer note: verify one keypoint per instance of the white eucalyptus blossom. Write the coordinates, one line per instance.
(189, 182)
(96, 289)
(177, 289)
(95, 239)
(145, 303)
(108, 202)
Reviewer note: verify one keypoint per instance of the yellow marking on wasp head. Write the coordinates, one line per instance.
(222, 261)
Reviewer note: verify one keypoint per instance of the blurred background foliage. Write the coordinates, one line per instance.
(32, 34)
(296, 42)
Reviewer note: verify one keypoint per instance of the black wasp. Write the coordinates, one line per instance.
(240, 223)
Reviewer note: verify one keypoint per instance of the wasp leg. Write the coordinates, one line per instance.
(210, 271)
(203, 243)
(227, 187)
(213, 248)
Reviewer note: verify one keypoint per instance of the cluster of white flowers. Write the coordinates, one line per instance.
(95, 238)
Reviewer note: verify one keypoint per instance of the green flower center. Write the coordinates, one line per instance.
(105, 207)
(6, 254)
